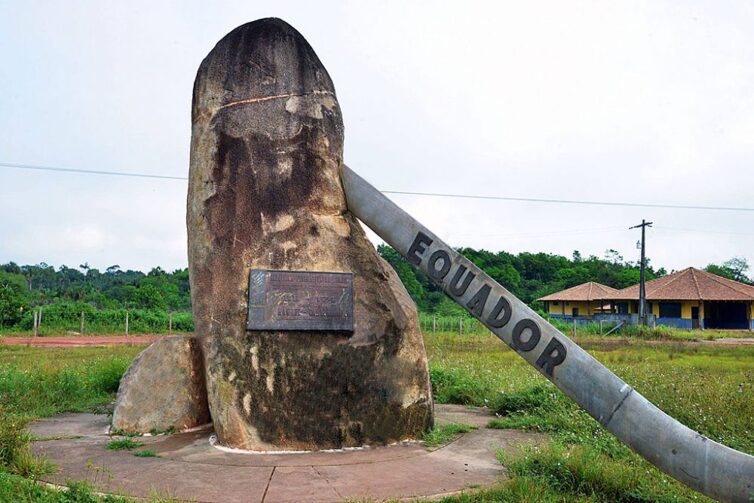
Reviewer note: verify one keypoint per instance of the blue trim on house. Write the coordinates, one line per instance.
(726, 324)
(570, 317)
(675, 322)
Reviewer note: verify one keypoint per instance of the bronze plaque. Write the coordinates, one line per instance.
(300, 300)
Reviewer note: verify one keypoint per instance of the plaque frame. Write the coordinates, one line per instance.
(283, 300)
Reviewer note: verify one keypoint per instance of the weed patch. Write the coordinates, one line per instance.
(524, 401)
(444, 434)
(170, 431)
(146, 453)
(581, 472)
(454, 385)
(122, 444)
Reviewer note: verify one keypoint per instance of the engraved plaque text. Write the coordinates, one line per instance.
(300, 300)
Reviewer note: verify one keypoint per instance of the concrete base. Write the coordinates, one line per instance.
(189, 468)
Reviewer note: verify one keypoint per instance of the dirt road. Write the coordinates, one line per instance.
(80, 341)
(76, 341)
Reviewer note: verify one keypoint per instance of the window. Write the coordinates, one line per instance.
(622, 307)
(670, 309)
(556, 303)
(575, 311)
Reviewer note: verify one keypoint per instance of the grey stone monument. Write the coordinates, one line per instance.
(308, 339)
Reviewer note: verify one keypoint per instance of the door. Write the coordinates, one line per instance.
(694, 317)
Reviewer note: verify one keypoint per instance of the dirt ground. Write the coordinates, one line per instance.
(77, 341)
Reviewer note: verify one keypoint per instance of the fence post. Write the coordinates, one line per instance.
(39, 319)
(574, 327)
(126, 323)
(170, 324)
(460, 326)
(600, 327)
(82, 323)
(434, 324)
(36, 323)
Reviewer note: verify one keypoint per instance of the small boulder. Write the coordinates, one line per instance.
(163, 389)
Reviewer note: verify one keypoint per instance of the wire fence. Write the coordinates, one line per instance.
(75, 319)
(57, 319)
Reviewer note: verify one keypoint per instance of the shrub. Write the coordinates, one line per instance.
(15, 456)
(524, 401)
(106, 376)
(124, 444)
(454, 385)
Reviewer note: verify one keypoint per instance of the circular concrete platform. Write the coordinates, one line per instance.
(189, 468)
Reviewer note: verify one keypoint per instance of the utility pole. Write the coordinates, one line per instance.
(642, 291)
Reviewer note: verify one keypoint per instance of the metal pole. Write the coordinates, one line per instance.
(642, 289)
(126, 323)
(170, 324)
(36, 323)
(81, 331)
(642, 286)
(700, 463)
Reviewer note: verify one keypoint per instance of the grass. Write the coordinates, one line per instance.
(444, 434)
(170, 431)
(584, 461)
(123, 444)
(471, 326)
(708, 388)
(39, 382)
(146, 453)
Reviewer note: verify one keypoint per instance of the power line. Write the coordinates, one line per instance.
(663, 228)
(573, 201)
(408, 193)
(556, 232)
(88, 171)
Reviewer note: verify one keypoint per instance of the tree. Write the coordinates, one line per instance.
(14, 298)
(738, 267)
(613, 257)
(734, 269)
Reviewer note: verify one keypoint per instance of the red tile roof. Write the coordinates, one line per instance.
(690, 284)
(584, 292)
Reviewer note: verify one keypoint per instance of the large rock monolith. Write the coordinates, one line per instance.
(265, 193)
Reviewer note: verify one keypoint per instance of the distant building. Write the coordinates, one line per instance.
(582, 301)
(692, 298)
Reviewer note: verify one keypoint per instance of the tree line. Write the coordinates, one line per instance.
(66, 292)
(530, 276)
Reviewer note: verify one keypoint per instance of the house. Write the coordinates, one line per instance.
(692, 298)
(582, 301)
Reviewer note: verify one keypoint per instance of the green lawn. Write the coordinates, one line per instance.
(708, 388)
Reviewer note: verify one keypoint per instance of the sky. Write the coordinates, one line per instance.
(642, 102)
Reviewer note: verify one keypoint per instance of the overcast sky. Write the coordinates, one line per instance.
(632, 101)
